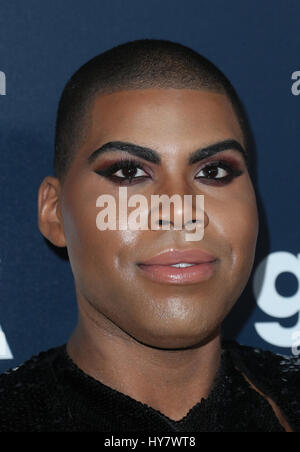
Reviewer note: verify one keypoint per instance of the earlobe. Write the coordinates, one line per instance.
(50, 220)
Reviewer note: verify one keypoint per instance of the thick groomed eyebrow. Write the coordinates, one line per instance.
(153, 156)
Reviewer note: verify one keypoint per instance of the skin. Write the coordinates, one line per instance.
(158, 343)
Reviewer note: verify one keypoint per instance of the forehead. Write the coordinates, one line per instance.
(162, 117)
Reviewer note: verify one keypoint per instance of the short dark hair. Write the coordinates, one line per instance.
(140, 64)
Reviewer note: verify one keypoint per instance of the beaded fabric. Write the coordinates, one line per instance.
(50, 393)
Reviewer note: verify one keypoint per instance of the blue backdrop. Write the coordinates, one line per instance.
(256, 43)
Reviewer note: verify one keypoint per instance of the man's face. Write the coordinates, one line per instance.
(175, 123)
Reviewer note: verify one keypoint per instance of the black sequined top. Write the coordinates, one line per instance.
(50, 393)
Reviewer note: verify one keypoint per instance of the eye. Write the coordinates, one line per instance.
(124, 172)
(213, 172)
(130, 172)
(220, 172)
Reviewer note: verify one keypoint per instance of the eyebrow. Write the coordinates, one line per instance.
(153, 156)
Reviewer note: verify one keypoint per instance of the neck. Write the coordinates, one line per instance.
(170, 381)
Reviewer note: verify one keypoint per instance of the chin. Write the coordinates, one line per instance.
(174, 338)
(175, 343)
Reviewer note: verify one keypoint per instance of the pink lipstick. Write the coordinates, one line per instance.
(180, 266)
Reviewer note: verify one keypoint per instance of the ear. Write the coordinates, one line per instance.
(49, 211)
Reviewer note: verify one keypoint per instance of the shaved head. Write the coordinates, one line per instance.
(141, 64)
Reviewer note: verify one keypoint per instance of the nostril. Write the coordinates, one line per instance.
(161, 222)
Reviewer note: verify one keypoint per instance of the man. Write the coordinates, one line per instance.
(147, 353)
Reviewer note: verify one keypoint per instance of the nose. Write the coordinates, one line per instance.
(183, 209)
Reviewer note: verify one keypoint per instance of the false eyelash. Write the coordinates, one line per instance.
(122, 164)
(231, 168)
(108, 171)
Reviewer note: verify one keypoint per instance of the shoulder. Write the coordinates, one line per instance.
(277, 376)
(265, 363)
(28, 394)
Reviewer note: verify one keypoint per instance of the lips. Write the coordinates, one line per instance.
(159, 268)
(193, 256)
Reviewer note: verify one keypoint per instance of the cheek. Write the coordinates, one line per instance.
(87, 246)
(94, 254)
(79, 226)
(236, 222)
